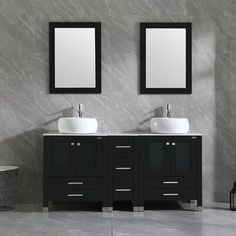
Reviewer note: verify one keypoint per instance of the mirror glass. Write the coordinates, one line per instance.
(71, 69)
(165, 58)
(75, 58)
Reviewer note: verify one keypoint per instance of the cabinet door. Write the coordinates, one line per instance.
(61, 159)
(155, 153)
(184, 156)
(88, 156)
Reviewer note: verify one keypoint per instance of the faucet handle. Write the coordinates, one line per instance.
(168, 110)
(168, 107)
(80, 110)
(80, 107)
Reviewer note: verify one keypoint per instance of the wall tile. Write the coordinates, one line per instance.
(28, 110)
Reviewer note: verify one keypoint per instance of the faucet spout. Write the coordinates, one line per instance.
(80, 111)
(168, 110)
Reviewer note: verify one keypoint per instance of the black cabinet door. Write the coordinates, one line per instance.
(155, 153)
(88, 156)
(184, 156)
(61, 156)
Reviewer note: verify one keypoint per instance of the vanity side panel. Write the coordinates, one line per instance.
(140, 169)
(46, 151)
(199, 155)
(136, 172)
(105, 175)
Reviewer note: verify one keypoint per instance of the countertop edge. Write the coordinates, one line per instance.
(122, 134)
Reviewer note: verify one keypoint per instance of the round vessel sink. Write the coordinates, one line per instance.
(169, 125)
(77, 125)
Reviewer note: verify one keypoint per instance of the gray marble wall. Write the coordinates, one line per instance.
(27, 109)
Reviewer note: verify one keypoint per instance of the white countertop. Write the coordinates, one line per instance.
(122, 134)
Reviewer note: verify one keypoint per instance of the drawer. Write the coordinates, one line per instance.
(67, 195)
(170, 182)
(122, 194)
(122, 147)
(170, 194)
(122, 168)
(122, 183)
(74, 183)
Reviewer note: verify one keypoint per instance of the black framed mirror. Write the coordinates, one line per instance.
(166, 58)
(75, 57)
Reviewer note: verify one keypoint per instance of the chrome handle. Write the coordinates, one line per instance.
(123, 190)
(173, 144)
(120, 146)
(170, 194)
(167, 143)
(75, 195)
(75, 183)
(170, 182)
(72, 144)
(123, 168)
(78, 144)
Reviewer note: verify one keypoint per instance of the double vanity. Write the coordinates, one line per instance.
(112, 167)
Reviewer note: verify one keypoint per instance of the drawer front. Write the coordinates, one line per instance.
(75, 195)
(122, 147)
(122, 183)
(74, 183)
(122, 194)
(122, 168)
(170, 182)
(170, 194)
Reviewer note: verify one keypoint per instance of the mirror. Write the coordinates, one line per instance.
(165, 58)
(75, 57)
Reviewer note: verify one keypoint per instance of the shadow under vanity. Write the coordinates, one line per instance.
(122, 167)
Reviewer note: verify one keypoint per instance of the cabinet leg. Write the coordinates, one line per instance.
(104, 209)
(196, 205)
(193, 203)
(138, 208)
(110, 209)
(45, 206)
(45, 209)
(199, 205)
(107, 209)
(135, 209)
(141, 208)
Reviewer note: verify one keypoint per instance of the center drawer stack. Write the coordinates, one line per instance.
(122, 151)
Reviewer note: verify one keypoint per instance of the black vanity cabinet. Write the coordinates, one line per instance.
(133, 168)
(73, 169)
(170, 168)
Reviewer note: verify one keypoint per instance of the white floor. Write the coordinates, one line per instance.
(164, 220)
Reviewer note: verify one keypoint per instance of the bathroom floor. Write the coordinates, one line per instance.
(167, 220)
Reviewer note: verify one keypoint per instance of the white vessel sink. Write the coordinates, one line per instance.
(169, 125)
(77, 125)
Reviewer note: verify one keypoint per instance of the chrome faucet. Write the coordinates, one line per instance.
(80, 111)
(168, 110)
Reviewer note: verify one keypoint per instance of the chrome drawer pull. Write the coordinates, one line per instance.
(72, 144)
(123, 168)
(123, 146)
(78, 144)
(170, 194)
(173, 144)
(167, 143)
(170, 182)
(75, 195)
(123, 190)
(76, 183)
